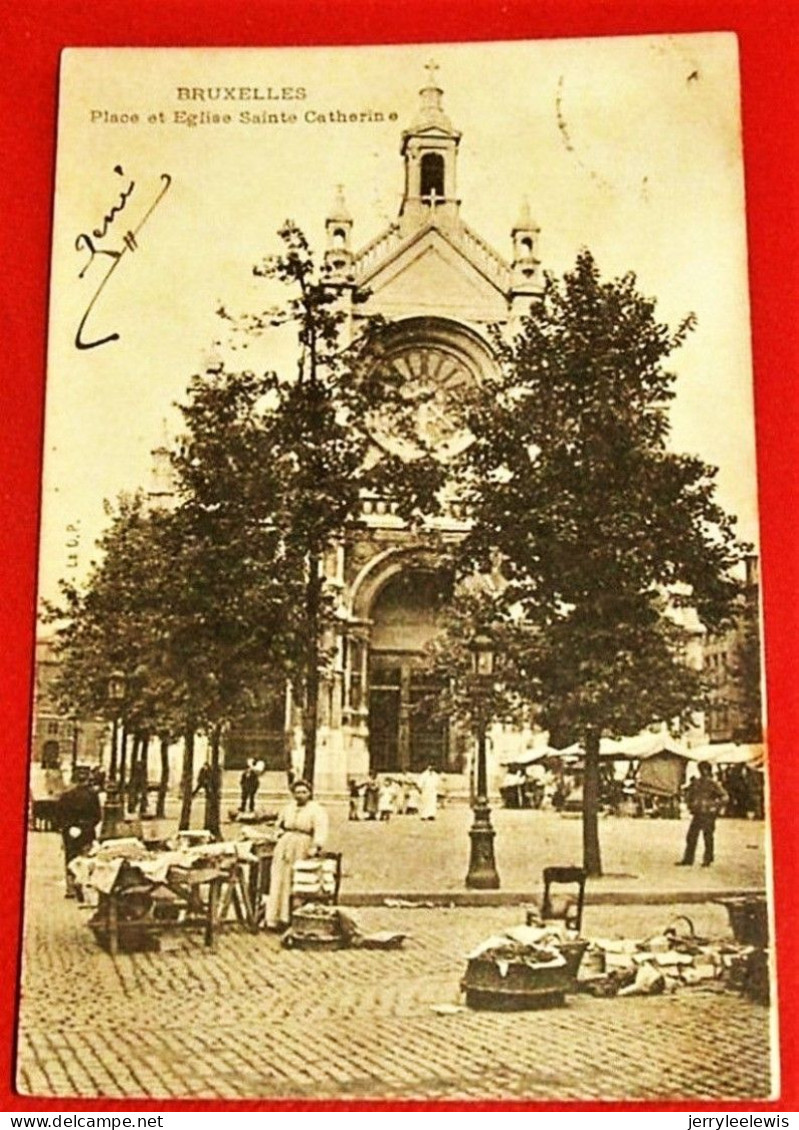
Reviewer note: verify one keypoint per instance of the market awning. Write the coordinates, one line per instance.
(531, 755)
(729, 753)
(636, 748)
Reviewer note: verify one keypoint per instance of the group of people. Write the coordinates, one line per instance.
(249, 783)
(382, 796)
(706, 798)
(302, 827)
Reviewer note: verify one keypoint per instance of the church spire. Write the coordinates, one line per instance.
(431, 111)
(430, 150)
(338, 227)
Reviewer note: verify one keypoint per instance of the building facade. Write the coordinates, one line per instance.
(59, 741)
(440, 287)
(733, 670)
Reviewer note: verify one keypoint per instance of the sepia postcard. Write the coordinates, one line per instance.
(398, 727)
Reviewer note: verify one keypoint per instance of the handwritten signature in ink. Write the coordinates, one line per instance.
(91, 242)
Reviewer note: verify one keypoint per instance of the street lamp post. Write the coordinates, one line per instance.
(112, 810)
(482, 873)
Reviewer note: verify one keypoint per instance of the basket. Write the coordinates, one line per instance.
(748, 919)
(315, 925)
(523, 986)
(307, 920)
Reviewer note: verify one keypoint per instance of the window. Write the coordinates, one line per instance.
(432, 174)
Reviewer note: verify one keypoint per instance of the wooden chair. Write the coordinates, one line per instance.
(571, 911)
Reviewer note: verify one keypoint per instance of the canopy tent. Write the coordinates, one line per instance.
(646, 745)
(637, 748)
(532, 755)
(729, 753)
(661, 775)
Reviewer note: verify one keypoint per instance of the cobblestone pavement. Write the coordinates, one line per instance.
(254, 1021)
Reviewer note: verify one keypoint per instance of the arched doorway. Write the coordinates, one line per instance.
(404, 732)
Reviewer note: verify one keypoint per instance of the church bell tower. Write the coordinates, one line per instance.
(430, 150)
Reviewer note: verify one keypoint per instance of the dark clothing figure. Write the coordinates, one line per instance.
(77, 814)
(203, 780)
(249, 787)
(355, 799)
(371, 795)
(706, 799)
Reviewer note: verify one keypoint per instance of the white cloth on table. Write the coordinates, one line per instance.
(304, 828)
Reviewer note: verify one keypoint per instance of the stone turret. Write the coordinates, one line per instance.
(525, 266)
(338, 228)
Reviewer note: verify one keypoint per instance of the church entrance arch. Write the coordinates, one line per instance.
(405, 733)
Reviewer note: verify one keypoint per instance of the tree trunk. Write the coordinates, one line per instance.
(123, 761)
(213, 795)
(186, 780)
(313, 597)
(592, 860)
(144, 774)
(134, 773)
(288, 742)
(163, 784)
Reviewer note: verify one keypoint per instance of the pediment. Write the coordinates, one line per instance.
(432, 273)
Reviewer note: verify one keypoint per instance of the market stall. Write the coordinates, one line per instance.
(139, 894)
(526, 778)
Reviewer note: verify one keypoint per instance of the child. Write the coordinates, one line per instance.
(386, 799)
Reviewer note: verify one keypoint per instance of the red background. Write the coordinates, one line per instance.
(32, 36)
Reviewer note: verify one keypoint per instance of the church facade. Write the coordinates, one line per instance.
(440, 287)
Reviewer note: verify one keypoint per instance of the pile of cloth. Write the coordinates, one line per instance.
(100, 869)
(534, 946)
(152, 886)
(313, 877)
(662, 963)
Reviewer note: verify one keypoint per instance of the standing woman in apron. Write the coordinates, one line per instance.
(303, 833)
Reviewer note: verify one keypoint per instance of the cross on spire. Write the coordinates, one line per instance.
(431, 69)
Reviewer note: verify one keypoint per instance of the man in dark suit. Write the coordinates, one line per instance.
(706, 800)
(77, 814)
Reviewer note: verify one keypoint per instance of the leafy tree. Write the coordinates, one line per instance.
(115, 622)
(477, 608)
(230, 612)
(202, 604)
(602, 530)
(319, 454)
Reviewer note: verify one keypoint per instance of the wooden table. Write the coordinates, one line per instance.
(201, 896)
